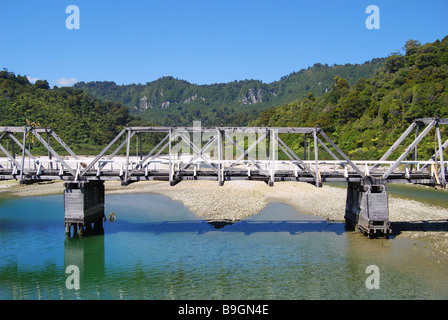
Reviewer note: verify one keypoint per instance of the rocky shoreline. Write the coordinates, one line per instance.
(237, 200)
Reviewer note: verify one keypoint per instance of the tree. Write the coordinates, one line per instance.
(394, 63)
(342, 87)
(411, 46)
(42, 84)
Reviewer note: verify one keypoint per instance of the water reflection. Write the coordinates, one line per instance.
(158, 249)
(87, 253)
(293, 227)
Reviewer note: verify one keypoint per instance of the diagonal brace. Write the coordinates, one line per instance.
(98, 157)
(203, 149)
(10, 157)
(21, 146)
(408, 150)
(149, 155)
(197, 151)
(395, 145)
(342, 154)
(54, 153)
(307, 168)
(245, 152)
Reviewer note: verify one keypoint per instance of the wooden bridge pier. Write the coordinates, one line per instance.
(84, 206)
(367, 208)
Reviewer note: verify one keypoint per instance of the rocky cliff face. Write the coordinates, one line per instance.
(169, 100)
(143, 103)
(165, 105)
(192, 98)
(251, 97)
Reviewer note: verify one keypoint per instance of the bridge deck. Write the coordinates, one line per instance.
(199, 171)
(205, 153)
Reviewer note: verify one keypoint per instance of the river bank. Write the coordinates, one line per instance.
(237, 200)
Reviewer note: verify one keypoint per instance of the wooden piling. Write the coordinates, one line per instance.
(367, 207)
(84, 205)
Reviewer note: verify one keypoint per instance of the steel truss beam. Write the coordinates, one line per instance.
(430, 123)
(267, 141)
(36, 132)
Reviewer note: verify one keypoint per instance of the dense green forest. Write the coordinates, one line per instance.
(363, 108)
(169, 101)
(366, 118)
(86, 124)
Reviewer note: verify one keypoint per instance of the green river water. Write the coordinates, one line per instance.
(158, 249)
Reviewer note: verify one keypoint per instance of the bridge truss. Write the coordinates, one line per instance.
(221, 154)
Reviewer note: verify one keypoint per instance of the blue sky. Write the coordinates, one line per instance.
(202, 41)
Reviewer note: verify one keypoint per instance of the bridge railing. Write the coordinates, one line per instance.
(221, 153)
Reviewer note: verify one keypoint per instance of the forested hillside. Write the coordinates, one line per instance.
(363, 108)
(86, 124)
(365, 118)
(169, 101)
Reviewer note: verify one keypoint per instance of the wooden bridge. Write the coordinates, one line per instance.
(222, 154)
